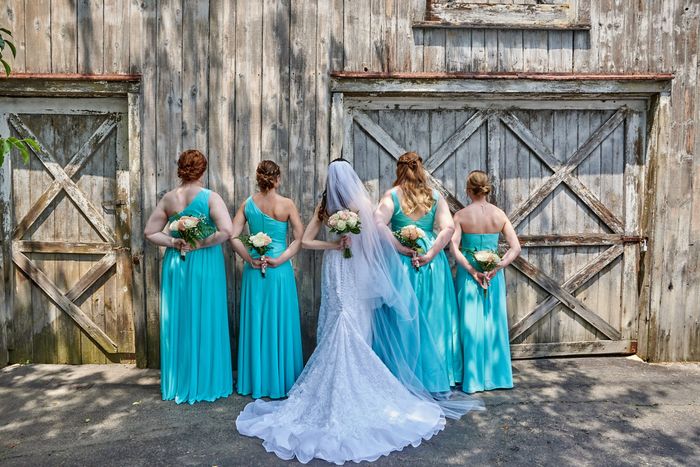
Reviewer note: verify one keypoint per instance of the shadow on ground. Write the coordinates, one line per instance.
(589, 411)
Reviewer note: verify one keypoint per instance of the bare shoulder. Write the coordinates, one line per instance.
(288, 204)
(215, 197)
(387, 194)
(499, 213)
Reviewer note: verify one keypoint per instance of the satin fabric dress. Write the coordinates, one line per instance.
(195, 349)
(269, 346)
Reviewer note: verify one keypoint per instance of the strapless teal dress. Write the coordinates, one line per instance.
(484, 323)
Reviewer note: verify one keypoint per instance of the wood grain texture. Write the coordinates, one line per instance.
(227, 85)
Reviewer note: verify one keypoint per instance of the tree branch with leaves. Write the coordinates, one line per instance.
(6, 144)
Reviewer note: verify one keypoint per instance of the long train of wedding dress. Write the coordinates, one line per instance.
(346, 405)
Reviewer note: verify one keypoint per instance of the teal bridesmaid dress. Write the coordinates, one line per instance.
(195, 355)
(434, 288)
(269, 346)
(484, 323)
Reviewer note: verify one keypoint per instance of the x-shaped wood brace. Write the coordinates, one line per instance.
(63, 180)
(562, 173)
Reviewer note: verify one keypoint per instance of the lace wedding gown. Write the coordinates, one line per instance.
(346, 405)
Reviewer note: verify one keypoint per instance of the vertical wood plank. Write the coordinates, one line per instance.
(302, 134)
(64, 36)
(90, 36)
(222, 130)
(357, 36)
(37, 22)
(6, 285)
(195, 92)
(149, 177)
(116, 42)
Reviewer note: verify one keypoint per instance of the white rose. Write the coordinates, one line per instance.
(341, 225)
(189, 223)
(174, 226)
(352, 222)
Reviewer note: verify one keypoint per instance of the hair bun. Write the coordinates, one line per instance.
(478, 183)
(266, 175)
(191, 165)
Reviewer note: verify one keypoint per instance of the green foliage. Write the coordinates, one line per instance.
(22, 145)
(6, 144)
(5, 42)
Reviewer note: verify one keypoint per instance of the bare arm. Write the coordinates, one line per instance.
(219, 214)
(294, 247)
(461, 260)
(513, 248)
(446, 226)
(237, 225)
(154, 229)
(382, 217)
(308, 239)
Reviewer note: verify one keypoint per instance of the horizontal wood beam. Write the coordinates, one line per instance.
(583, 239)
(76, 248)
(516, 84)
(563, 349)
(68, 84)
(503, 75)
(537, 25)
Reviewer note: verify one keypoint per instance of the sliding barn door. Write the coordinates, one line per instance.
(568, 174)
(67, 221)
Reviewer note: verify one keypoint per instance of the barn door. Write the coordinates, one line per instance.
(69, 232)
(568, 173)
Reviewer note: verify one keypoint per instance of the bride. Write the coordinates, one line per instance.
(347, 405)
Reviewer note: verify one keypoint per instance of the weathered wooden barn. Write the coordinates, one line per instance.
(584, 112)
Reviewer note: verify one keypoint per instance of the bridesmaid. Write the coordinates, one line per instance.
(484, 317)
(269, 346)
(195, 355)
(413, 202)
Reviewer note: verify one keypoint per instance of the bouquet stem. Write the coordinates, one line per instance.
(347, 253)
(263, 266)
(183, 255)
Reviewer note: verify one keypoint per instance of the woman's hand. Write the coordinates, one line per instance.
(345, 242)
(480, 278)
(406, 251)
(272, 262)
(255, 263)
(426, 258)
(179, 244)
(492, 273)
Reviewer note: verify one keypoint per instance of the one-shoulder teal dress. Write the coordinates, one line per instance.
(195, 351)
(269, 346)
(434, 288)
(484, 322)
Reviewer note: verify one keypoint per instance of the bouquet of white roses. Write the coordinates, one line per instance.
(408, 236)
(259, 242)
(487, 260)
(345, 222)
(191, 229)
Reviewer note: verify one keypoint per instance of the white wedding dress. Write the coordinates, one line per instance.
(346, 405)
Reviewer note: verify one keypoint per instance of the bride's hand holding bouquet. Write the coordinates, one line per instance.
(343, 223)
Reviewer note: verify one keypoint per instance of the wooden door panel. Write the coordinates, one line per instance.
(562, 175)
(70, 238)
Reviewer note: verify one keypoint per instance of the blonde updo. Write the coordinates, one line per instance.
(266, 175)
(478, 183)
